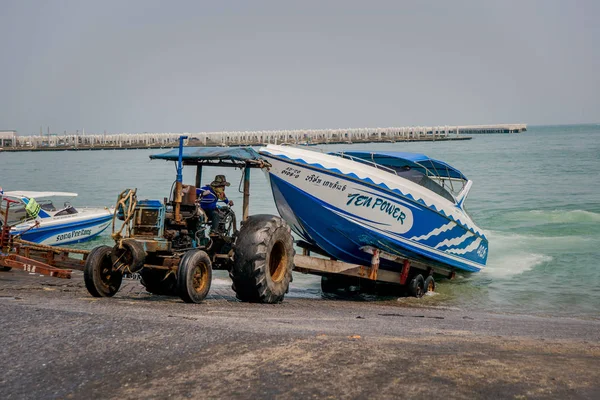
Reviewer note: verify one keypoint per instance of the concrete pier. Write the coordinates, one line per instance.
(14, 142)
(508, 128)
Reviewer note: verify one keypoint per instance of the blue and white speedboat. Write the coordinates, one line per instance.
(405, 204)
(39, 217)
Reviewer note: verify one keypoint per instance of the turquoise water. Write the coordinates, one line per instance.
(536, 194)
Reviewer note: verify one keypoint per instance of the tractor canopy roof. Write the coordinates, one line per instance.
(217, 156)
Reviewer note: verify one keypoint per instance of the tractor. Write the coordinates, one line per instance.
(169, 243)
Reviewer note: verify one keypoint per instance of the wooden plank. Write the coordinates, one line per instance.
(308, 264)
(322, 265)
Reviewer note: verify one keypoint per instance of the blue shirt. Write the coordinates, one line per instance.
(209, 202)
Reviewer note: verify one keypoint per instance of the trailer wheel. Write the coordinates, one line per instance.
(194, 276)
(417, 286)
(101, 279)
(429, 285)
(129, 256)
(336, 283)
(332, 284)
(263, 260)
(157, 282)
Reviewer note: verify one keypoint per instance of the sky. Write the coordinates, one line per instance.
(196, 66)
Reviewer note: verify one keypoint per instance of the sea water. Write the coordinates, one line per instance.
(536, 194)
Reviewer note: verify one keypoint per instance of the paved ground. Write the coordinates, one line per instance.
(58, 342)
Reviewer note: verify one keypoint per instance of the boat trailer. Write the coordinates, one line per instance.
(327, 267)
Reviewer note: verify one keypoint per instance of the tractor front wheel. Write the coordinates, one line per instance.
(194, 276)
(100, 278)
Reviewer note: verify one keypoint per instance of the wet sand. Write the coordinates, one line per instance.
(58, 342)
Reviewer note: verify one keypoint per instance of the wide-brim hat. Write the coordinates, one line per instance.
(220, 180)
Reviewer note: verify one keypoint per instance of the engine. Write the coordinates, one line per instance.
(155, 220)
(189, 231)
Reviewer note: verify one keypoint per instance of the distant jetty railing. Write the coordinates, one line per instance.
(9, 140)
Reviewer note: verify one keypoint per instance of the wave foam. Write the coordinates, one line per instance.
(510, 254)
(557, 216)
(514, 264)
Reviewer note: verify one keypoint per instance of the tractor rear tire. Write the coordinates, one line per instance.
(100, 278)
(263, 260)
(157, 282)
(130, 257)
(194, 276)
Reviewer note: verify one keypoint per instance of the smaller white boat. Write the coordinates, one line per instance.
(46, 218)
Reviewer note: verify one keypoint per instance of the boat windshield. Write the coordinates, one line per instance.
(425, 181)
(433, 175)
(56, 206)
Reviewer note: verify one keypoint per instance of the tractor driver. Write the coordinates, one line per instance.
(209, 195)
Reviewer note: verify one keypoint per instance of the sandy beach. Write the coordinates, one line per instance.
(61, 343)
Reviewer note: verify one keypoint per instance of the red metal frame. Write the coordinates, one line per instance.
(404, 274)
(31, 265)
(5, 233)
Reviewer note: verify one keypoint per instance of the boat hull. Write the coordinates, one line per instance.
(342, 213)
(67, 231)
